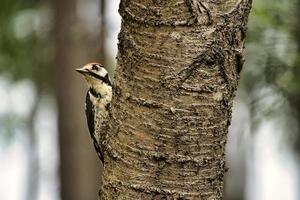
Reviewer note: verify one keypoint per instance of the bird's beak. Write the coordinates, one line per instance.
(82, 70)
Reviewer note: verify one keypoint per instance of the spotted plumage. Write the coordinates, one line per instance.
(98, 100)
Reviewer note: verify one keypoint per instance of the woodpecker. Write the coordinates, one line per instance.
(97, 102)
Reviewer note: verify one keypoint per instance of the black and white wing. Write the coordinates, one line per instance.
(90, 116)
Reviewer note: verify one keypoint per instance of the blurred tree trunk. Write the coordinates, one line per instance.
(33, 158)
(79, 165)
(178, 69)
(295, 97)
(102, 54)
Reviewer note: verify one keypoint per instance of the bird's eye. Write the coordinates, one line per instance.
(95, 67)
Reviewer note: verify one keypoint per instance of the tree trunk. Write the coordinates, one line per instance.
(33, 158)
(178, 69)
(294, 98)
(102, 35)
(79, 166)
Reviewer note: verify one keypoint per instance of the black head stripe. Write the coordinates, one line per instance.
(105, 79)
(96, 67)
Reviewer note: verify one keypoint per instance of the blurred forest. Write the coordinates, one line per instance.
(45, 149)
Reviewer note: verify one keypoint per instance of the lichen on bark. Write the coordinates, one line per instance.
(178, 69)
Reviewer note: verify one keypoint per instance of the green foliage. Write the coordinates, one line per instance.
(24, 53)
(277, 14)
(23, 41)
(270, 46)
(270, 81)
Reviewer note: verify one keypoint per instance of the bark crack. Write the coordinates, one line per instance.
(198, 8)
(178, 68)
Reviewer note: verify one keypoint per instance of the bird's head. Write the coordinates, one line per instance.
(95, 75)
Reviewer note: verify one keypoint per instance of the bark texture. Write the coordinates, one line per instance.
(178, 69)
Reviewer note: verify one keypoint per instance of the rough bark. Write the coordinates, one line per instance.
(178, 69)
(79, 166)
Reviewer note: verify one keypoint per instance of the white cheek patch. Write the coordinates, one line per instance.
(102, 72)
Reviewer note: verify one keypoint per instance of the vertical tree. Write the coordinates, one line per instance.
(79, 166)
(102, 52)
(295, 96)
(294, 93)
(178, 69)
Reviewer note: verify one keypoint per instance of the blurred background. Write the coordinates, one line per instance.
(45, 150)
